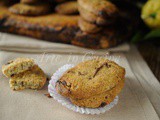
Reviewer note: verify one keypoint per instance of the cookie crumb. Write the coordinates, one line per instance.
(48, 95)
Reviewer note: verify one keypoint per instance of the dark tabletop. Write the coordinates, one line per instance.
(151, 53)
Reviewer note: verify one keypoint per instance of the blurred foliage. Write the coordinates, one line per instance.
(148, 29)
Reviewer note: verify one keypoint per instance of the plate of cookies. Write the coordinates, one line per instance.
(91, 87)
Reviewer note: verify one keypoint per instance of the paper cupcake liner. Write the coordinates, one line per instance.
(67, 103)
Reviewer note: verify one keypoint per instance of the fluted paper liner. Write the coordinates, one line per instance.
(67, 103)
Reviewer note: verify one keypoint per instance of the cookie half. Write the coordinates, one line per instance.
(17, 66)
(30, 79)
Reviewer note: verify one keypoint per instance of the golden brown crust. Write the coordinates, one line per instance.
(67, 8)
(30, 10)
(101, 99)
(88, 27)
(90, 78)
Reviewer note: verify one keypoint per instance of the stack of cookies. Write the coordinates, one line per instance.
(24, 73)
(30, 8)
(96, 14)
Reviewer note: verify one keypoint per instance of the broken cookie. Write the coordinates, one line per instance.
(23, 74)
(30, 79)
(17, 66)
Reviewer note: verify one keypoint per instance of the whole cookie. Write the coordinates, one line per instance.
(17, 66)
(88, 27)
(30, 10)
(101, 8)
(30, 79)
(89, 79)
(92, 18)
(67, 8)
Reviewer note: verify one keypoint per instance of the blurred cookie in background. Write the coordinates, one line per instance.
(88, 27)
(92, 18)
(102, 8)
(30, 10)
(67, 8)
(29, 1)
(8, 2)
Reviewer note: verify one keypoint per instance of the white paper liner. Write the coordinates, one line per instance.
(66, 102)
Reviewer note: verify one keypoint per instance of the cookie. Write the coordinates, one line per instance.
(101, 8)
(89, 79)
(67, 8)
(88, 27)
(30, 79)
(17, 66)
(30, 10)
(92, 18)
(29, 1)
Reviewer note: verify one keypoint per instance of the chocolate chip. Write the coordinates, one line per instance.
(9, 62)
(79, 73)
(106, 97)
(48, 79)
(108, 66)
(102, 104)
(12, 75)
(22, 83)
(64, 83)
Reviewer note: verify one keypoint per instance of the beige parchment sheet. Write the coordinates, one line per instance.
(34, 105)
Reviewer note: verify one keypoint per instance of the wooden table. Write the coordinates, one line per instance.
(151, 53)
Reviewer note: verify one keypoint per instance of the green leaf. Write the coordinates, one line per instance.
(152, 34)
(137, 37)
